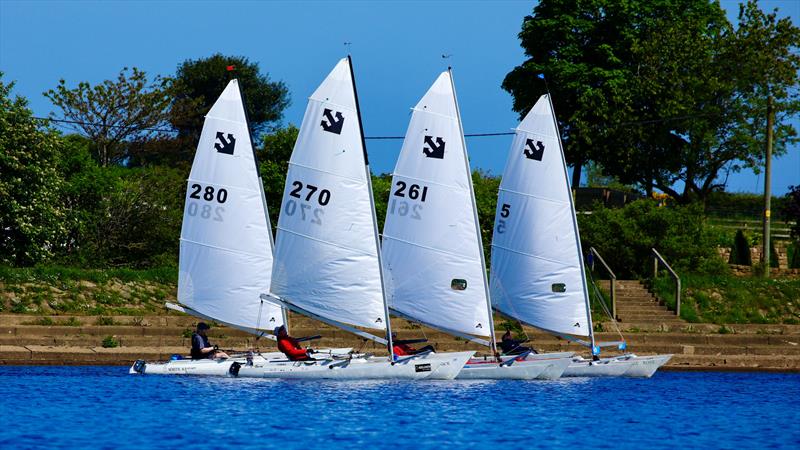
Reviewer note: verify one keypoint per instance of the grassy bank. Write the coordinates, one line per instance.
(63, 290)
(729, 299)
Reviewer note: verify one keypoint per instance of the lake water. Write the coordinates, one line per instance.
(104, 407)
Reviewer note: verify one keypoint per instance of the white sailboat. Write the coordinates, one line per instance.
(537, 263)
(327, 257)
(432, 247)
(226, 241)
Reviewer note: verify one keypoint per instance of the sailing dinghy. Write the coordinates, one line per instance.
(432, 247)
(226, 241)
(327, 257)
(537, 262)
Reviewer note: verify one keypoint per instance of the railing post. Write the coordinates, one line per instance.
(612, 281)
(658, 258)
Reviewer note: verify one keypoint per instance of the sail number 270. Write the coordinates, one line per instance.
(307, 193)
(412, 192)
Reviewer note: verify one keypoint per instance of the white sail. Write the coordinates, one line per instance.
(431, 249)
(326, 255)
(225, 249)
(536, 261)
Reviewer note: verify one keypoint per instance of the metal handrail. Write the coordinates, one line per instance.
(613, 281)
(656, 258)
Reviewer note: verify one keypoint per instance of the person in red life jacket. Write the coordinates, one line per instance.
(402, 349)
(290, 347)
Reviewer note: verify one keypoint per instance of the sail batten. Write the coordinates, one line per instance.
(537, 270)
(225, 246)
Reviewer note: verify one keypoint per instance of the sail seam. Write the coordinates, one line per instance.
(357, 180)
(230, 250)
(422, 180)
(332, 244)
(385, 236)
(533, 133)
(226, 186)
(225, 120)
(415, 109)
(560, 202)
(328, 102)
(531, 255)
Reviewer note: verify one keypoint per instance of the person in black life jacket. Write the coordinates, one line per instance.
(290, 347)
(511, 346)
(201, 348)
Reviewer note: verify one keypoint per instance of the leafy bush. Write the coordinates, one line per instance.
(105, 321)
(110, 342)
(626, 235)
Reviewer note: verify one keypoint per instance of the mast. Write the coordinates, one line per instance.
(475, 214)
(263, 199)
(575, 226)
(374, 219)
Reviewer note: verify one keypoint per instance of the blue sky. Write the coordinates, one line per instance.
(396, 48)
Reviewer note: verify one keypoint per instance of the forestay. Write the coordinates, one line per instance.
(536, 262)
(326, 255)
(225, 247)
(431, 248)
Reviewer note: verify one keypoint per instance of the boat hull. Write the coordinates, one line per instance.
(537, 366)
(620, 366)
(431, 366)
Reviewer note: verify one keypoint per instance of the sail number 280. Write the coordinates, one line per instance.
(210, 195)
(307, 193)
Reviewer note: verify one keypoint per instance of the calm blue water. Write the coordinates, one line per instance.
(104, 407)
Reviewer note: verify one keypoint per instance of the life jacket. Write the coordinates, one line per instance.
(403, 350)
(289, 347)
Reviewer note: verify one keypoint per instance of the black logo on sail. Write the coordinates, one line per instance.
(331, 124)
(534, 151)
(225, 146)
(433, 150)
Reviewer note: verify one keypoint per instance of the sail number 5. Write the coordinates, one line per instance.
(312, 194)
(505, 211)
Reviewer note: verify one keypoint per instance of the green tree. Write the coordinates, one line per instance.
(31, 227)
(115, 112)
(199, 82)
(656, 92)
(274, 164)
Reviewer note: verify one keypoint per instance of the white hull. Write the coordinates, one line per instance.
(436, 366)
(620, 366)
(546, 366)
(216, 367)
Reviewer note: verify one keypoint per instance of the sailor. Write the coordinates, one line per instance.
(290, 347)
(402, 349)
(201, 348)
(511, 346)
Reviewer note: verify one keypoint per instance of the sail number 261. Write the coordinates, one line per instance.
(412, 192)
(307, 193)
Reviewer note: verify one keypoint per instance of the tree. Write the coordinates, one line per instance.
(656, 92)
(114, 113)
(199, 82)
(274, 164)
(31, 225)
(791, 211)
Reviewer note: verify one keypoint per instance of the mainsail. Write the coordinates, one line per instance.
(431, 246)
(537, 268)
(226, 248)
(326, 251)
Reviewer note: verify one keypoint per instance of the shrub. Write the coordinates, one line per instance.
(740, 252)
(625, 236)
(105, 321)
(110, 342)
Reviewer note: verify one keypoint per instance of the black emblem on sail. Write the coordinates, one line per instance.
(577, 324)
(433, 150)
(225, 146)
(534, 151)
(330, 124)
